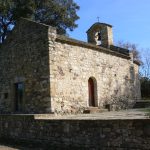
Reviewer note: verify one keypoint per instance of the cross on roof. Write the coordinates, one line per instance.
(98, 18)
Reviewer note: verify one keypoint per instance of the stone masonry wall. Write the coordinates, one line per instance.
(55, 71)
(73, 63)
(77, 134)
(24, 58)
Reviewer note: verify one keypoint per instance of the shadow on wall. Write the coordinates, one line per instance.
(124, 98)
(25, 59)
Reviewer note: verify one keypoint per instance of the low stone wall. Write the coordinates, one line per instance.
(77, 134)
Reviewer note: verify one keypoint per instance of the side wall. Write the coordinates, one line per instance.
(24, 58)
(77, 134)
(72, 64)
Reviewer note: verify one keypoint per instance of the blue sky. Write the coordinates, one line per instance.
(130, 19)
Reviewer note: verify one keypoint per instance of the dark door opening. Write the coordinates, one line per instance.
(19, 89)
(91, 92)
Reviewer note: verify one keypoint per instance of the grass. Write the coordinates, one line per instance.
(147, 111)
(146, 98)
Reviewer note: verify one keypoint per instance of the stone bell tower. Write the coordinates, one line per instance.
(100, 34)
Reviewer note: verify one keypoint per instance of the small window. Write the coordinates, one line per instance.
(5, 95)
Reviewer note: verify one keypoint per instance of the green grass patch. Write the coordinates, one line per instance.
(146, 98)
(147, 111)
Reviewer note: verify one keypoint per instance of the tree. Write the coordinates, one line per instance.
(10, 11)
(145, 74)
(133, 48)
(5, 19)
(145, 69)
(58, 13)
(145, 87)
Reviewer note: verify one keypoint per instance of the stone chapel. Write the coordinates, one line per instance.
(43, 72)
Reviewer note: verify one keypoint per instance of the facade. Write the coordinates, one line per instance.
(43, 72)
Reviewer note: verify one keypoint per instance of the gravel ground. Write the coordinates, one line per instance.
(111, 115)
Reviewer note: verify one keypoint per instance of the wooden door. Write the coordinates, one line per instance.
(91, 92)
(19, 88)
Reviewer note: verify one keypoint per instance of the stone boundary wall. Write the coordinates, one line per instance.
(77, 134)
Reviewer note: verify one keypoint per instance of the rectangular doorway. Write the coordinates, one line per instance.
(19, 92)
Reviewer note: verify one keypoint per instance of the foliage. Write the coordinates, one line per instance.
(5, 19)
(145, 87)
(147, 111)
(145, 69)
(58, 13)
(133, 48)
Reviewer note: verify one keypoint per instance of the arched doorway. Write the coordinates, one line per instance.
(92, 94)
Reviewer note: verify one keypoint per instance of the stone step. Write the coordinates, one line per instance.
(92, 110)
(142, 104)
